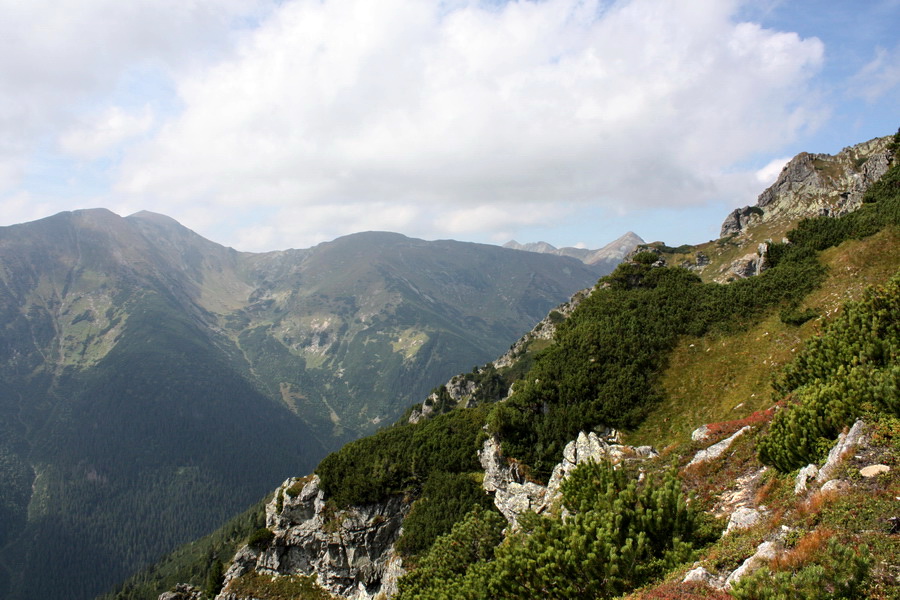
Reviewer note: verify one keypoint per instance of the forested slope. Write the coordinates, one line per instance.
(622, 359)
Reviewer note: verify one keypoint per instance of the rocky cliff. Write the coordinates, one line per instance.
(815, 184)
(349, 552)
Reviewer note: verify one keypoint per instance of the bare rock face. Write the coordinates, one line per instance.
(513, 494)
(349, 551)
(816, 184)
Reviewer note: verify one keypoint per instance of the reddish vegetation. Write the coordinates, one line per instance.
(681, 591)
(726, 428)
(809, 546)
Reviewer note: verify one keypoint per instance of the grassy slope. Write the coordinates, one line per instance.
(726, 377)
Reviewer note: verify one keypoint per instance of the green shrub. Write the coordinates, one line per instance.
(853, 362)
(277, 587)
(837, 573)
(400, 458)
(260, 538)
(446, 498)
(471, 540)
(645, 258)
(619, 538)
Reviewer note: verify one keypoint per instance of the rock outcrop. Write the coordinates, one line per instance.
(816, 184)
(514, 494)
(349, 551)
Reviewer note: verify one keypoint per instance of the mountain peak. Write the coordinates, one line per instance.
(605, 258)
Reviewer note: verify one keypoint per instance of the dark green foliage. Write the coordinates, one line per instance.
(446, 498)
(645, 258)
(472, 540)
(214, 579)
(619, 537)
(837, 573)
(609, 354)
(604, 368)
(853, 363)
(791, 315)
(260, 538)
(402, 457)
(131, 464)
(193, 563)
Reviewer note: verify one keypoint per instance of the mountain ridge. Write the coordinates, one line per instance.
(364, 566)
(136, 351)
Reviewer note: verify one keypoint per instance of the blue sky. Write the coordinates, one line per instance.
(267, 125)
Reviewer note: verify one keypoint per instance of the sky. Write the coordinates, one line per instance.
(266, 125)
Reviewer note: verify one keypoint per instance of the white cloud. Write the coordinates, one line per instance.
(91, 140)
(60, 58)
(878, 77)
(767, 175)
(336, 105)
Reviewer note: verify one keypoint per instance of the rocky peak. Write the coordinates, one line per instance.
(816, 184)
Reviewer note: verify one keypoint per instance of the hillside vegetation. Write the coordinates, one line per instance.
(655, 352)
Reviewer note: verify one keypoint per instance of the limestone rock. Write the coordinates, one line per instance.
(806, 473)
(701, 575)
(350, 552)
(701, 434)
(740, 219)
(816, 184)
(718, 449)
(744, 517)
(765, 552)
(513, 494)
(845, 442)
(874, 470)
(835, 485)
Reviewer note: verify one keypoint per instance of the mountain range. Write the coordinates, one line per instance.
(604, 259)
(153, 382)
(772, 398)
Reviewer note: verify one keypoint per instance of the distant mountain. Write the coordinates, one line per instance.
(153, 383)
(604, 260)
(774, 398)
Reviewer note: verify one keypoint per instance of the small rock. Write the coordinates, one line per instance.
(874, 470)
(835, 485)
(703, 576)
(717, 450)
(764, 553)
(743, 518)
(700, 434)
(805, 474)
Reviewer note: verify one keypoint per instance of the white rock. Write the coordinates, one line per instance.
(717, 450)
(764, 553)
(835, 485)
(743, 517)
(703, 576)
(700, 434)
(874, 470)
(805, 474)
(846, 441)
